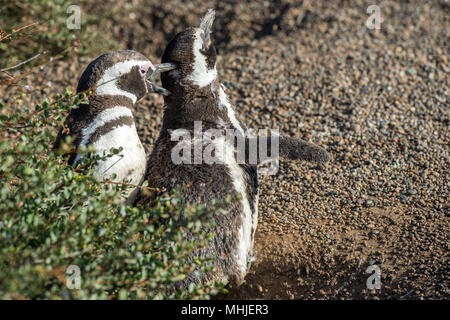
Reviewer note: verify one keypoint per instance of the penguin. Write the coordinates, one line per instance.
(198, 97)
(117, 80)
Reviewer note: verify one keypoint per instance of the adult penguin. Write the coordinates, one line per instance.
(197, 100)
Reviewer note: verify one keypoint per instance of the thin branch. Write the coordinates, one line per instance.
(129, 185)
(69, 255)
(24, 62)
(407, 294)
(9, 75)
(23, 75)
(18, 30)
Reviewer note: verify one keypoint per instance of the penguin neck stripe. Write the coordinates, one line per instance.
(103, 102)
(201, 75)
(109, 126)
(223, 102)
(103, 118)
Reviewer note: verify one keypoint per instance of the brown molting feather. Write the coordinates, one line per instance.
(194, 105)
(203, 183)
(179, 50)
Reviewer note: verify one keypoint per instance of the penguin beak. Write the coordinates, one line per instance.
(206, 25)
(151, 75)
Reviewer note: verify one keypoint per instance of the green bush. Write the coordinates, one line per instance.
(53, 216)
(35, 26)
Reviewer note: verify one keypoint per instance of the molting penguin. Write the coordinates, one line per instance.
(117, 80)
(198, 96)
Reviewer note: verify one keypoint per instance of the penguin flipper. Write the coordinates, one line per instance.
(288, 148)
(297, 149)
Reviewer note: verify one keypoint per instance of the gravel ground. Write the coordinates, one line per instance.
(377, 100)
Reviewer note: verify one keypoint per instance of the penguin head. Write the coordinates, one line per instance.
(194, 54)
(118, 73)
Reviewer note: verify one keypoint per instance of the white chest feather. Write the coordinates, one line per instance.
(249, 218)
(225, 154)
(223, 102)
(103, 118)
(130, 164)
